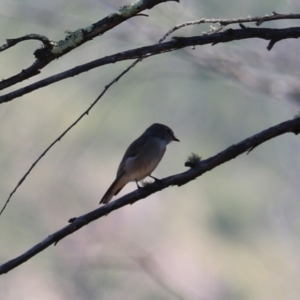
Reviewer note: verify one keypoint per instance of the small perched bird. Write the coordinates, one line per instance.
(141, 158)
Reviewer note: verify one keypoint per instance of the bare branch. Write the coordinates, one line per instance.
(273, 35)
(53, 50)
(202, 167)
(225, 22)
(38, 37)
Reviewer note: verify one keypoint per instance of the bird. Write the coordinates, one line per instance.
(141, 158)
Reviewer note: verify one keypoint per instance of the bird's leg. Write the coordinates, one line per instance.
(156, 179)
(139, 187)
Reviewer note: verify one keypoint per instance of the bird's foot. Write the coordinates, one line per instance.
(155, 179)
(139, 187)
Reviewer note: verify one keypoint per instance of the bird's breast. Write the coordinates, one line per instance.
(142, 165)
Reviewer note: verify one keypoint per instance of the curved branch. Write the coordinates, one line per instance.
(11, 42)
(54, 50)
(273, 35)
(200, 168)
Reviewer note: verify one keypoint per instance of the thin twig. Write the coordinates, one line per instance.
(12, 42)
(86, 112)
(224, 22)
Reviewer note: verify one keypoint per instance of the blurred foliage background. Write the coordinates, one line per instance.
(231, 234)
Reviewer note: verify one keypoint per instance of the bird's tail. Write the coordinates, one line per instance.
(114, 189)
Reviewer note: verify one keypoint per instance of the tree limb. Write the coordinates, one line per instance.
(221, 23)
(53, 50)
(12, 42)
(202, 167)
(273, 35)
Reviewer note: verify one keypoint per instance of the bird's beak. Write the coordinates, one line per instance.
(175, 138)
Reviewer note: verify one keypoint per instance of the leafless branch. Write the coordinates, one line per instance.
(52, 50)
(292, 126)
(222, 23)
(12, 42)
(272, 35)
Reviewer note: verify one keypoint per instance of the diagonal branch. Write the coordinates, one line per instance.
(202, 167)
(272, 35)
(221, 23)
(52, 50)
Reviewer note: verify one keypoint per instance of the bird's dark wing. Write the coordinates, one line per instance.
(135, 148)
